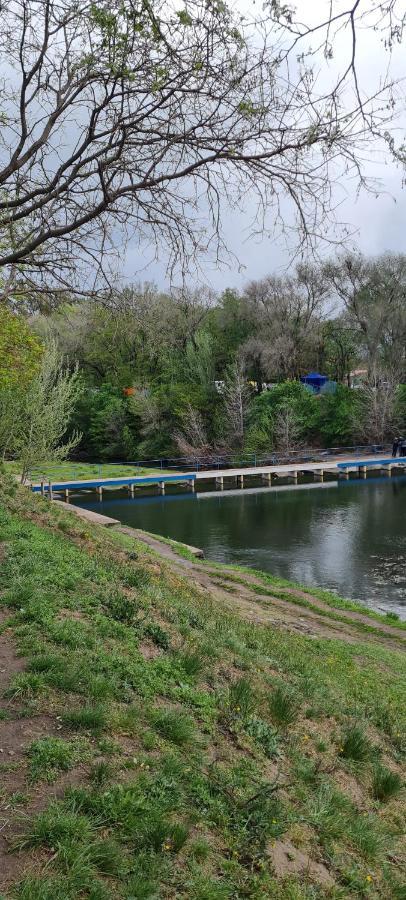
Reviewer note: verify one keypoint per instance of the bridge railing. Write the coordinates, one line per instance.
(201, 463)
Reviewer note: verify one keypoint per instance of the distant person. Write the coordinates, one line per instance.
(395, 446)
(402, 447)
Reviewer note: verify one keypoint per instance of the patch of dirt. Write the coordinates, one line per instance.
(288, 860)
(267, 609)
(149, 650)
(73, 614)
(15, 735)
(349, 786)
(10, 663)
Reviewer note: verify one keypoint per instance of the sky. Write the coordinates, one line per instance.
(377, 220)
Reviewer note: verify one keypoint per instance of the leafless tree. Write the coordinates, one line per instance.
(129, 117)
(287, 314)
(236, 396)
(287, 429)
(373, 293)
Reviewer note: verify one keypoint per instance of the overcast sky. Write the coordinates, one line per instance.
(378, 222)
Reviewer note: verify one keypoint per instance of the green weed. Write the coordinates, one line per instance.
(386, 784)
(175, 726)
(282, 706)
(355, 744)
(157, 635)
(87, 718)
(48, 756)
(264, 735)
(241, 698)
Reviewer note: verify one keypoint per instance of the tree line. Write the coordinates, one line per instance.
(148, 374)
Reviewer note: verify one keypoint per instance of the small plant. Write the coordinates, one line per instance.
(120, 608)
(282, 706)
(26, 684)
(100, 773)
(264, 735)
(88, 718)
(174, 726)
(191, 663)
(385, 784)
(157, 635)
(392, 616)
(48, 756)
(241, 698)
(355, 744)
(199, 849)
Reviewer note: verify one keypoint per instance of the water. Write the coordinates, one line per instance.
(349, 537)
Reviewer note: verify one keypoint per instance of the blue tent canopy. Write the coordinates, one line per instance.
(314, 380)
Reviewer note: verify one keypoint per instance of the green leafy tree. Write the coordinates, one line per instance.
(42, 414)
(20, 351)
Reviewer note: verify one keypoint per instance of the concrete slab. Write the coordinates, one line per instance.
(88, 514)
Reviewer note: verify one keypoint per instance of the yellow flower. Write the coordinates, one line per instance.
(369, 877)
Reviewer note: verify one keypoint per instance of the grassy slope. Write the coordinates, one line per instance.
(81, 471)
(199, 746)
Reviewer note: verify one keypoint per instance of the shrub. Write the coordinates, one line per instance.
(385, 783)
(355, 744)
(282, 706)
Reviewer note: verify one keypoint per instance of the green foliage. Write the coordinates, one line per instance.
(174, 725)
(88, 718)
(20, 353)
(386, 784)
(241, 698)
(282, 706)
(48, 756)
(264, 735)
(355, 744)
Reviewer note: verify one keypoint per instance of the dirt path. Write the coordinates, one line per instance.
(266, 608)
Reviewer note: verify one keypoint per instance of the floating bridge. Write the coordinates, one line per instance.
(341, 468)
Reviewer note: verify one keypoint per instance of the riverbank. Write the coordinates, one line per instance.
(172, 728)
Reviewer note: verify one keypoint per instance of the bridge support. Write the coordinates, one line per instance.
(42, 488)
(319, 476)
(220, 482)
(192, 485)
(131, 490)
(162, 487)
(267, 478)
(293, 477)
(67, 495)
(344, 474)
(362, 471)
(241, 480)
(386, 470)
(99, 491)
(50, 491)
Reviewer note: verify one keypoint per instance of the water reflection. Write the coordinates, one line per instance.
(346, 536)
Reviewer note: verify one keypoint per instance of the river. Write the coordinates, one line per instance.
(349, 537)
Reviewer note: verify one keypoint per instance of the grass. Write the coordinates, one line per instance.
(48, 756)
(355, 744)
(385, 784)
(178, 772)
(81, 471)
